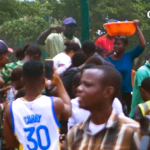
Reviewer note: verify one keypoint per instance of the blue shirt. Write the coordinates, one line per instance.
(124, 66)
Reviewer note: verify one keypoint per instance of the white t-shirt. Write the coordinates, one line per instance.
(79, 114)
(62, 59)
(95, 128)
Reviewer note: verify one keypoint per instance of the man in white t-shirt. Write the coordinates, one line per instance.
(78, 118)
(77, 111)
(104, 128)
(53, 43)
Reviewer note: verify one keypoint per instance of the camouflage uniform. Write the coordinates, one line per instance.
(5, 72)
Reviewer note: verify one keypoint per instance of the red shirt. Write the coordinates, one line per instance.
(105, 43)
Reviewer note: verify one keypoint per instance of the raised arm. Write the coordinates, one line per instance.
(142, 44)
(63, 95)
(140, 35)
(41, 39)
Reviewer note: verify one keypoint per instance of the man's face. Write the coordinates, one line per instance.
(69, 29)
(90, 91)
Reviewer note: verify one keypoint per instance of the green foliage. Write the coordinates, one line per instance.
(27, 29)
(14, 9)
(8, 10)
(120, 10)
(99, 10)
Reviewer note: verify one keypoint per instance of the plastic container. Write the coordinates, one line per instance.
(10, 94)
(126, 28)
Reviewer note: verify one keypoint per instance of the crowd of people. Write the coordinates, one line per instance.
(88, 104)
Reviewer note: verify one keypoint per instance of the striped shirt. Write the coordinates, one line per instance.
(120, 133)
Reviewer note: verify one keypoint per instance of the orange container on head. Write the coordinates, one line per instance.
(126, 28)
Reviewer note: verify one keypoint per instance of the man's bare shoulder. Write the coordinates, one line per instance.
(57, 100)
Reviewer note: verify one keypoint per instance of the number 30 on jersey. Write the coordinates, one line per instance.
(38, 143)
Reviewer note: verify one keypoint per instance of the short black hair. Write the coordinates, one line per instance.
(94, 60)
(16, 74)
(71, 46)
(78, 59)
(111, 77)
(146, 84)
(33, 69)
(20, 53)
(89, 47)
(87, 66)
(33, 49)
(123, 39)
(29, 49)
(76, 79)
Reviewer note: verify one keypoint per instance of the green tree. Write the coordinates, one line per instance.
(26, 29)
(8, 10)
(100, 10)
(14, 9)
